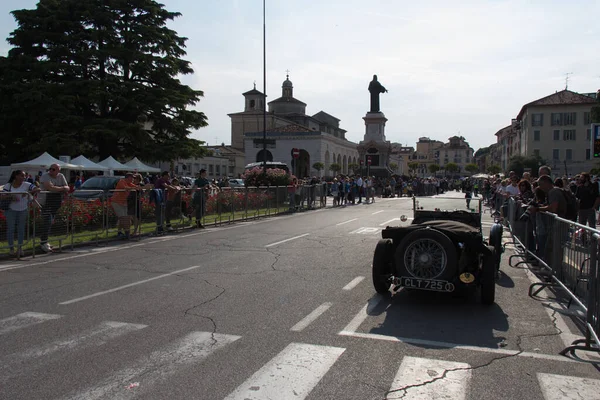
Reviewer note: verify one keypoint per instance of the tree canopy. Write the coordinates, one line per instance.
(99, 78)
(519, 163)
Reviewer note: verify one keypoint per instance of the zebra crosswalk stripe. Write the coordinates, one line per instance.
(95, 336)
(159, 365)
(428, 379)
(24, 320)
(292, 374)
(559, 387)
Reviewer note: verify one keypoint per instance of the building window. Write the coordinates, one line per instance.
(569, 134)
(587, 154)
(556, 119)
(536, 136)
(217, 170)
(210, 169)
(556, 134)
(555, 154)
(587, 118)
(536, 152)
(537, 119)
(252, 104)
(588, 134)
(569, 118)
(569, 155)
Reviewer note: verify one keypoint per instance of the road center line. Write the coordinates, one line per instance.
(378, 212)
(391, 220)
(345, 222)
(362, 314)
(287, 240)
(310, 318)
(353, 283)
(127, 286)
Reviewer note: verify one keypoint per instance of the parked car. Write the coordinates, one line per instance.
(96, 187)
(442, 250)
(236, 183)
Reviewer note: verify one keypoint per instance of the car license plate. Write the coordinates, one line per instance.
(426, 284)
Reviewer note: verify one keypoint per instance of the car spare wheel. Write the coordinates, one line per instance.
(382, 265)
(427, 254)
(488, 277)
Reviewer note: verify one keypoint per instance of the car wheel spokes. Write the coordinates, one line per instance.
(425, 259)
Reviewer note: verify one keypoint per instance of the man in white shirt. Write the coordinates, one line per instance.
(55, 185)
(359, 186)
(513, 188)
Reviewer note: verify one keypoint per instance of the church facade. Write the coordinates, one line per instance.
(318, 137)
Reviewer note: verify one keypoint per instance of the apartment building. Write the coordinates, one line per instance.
(557, 128)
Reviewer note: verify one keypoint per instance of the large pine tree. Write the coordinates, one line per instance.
(99, 78)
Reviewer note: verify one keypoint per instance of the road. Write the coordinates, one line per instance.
(280, 308)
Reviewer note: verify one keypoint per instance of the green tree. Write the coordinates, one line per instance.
(451, 167)
(494, 169)
(433, 168)
(319, 166)
(412, 166)
(595, 113)
(335, 168)
(97, 78)
(354, 167)
(471, 168)
(393, 166)
(519, 163)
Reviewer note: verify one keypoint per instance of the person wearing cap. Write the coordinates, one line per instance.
(119, 204)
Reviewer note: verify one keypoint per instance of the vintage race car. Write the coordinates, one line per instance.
(442, 250)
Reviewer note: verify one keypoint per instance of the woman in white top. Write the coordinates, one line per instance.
(19, 191)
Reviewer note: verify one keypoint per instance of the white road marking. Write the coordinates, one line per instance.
(287, 240)
(353, 283)
(415, 371)
(24, 320)
(311, 317)
(292, 374)
(378, 212)
(559, 387)
(96, 336)
(453, 346)
(365, 231)
(127, 286)
(363, 314)
(158, 366)
(345, 222)
(391, 220)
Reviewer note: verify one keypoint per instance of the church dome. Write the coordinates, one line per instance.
(287, 83)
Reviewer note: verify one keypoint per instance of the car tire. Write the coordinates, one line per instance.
(488, 278)
(382, 266)
(428, 235)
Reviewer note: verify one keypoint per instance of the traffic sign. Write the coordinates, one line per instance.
(295, 152)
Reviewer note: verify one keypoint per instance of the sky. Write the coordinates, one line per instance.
(450, 67)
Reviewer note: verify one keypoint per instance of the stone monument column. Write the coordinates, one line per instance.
(374, 143)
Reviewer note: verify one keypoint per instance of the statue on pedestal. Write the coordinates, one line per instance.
(375, 88)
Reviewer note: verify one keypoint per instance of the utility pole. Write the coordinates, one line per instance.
(264, 88)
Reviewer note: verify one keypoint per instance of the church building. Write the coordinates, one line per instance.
(318, 138)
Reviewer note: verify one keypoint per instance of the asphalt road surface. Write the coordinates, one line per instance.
(280, 308)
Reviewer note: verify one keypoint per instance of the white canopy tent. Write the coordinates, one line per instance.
(45, 161)
(88, 165)
(113, 164)
(138, 166)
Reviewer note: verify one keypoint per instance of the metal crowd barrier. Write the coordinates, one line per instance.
(90, 216)
(566, 254)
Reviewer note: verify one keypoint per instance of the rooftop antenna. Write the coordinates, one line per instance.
(254, 85)
(567, 80)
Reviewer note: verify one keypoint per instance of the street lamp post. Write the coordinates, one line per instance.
(264, 88)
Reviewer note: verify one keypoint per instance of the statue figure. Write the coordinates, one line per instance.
(375, 88)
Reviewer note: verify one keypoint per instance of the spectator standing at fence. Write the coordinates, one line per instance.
(589, 200)
(134, 202)
(513, 188)
(202, 185)
(20, 193)
(525, 191)
(162, 184)
(556, 204)
(55, 184)
(120, 206)
(173, 202)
